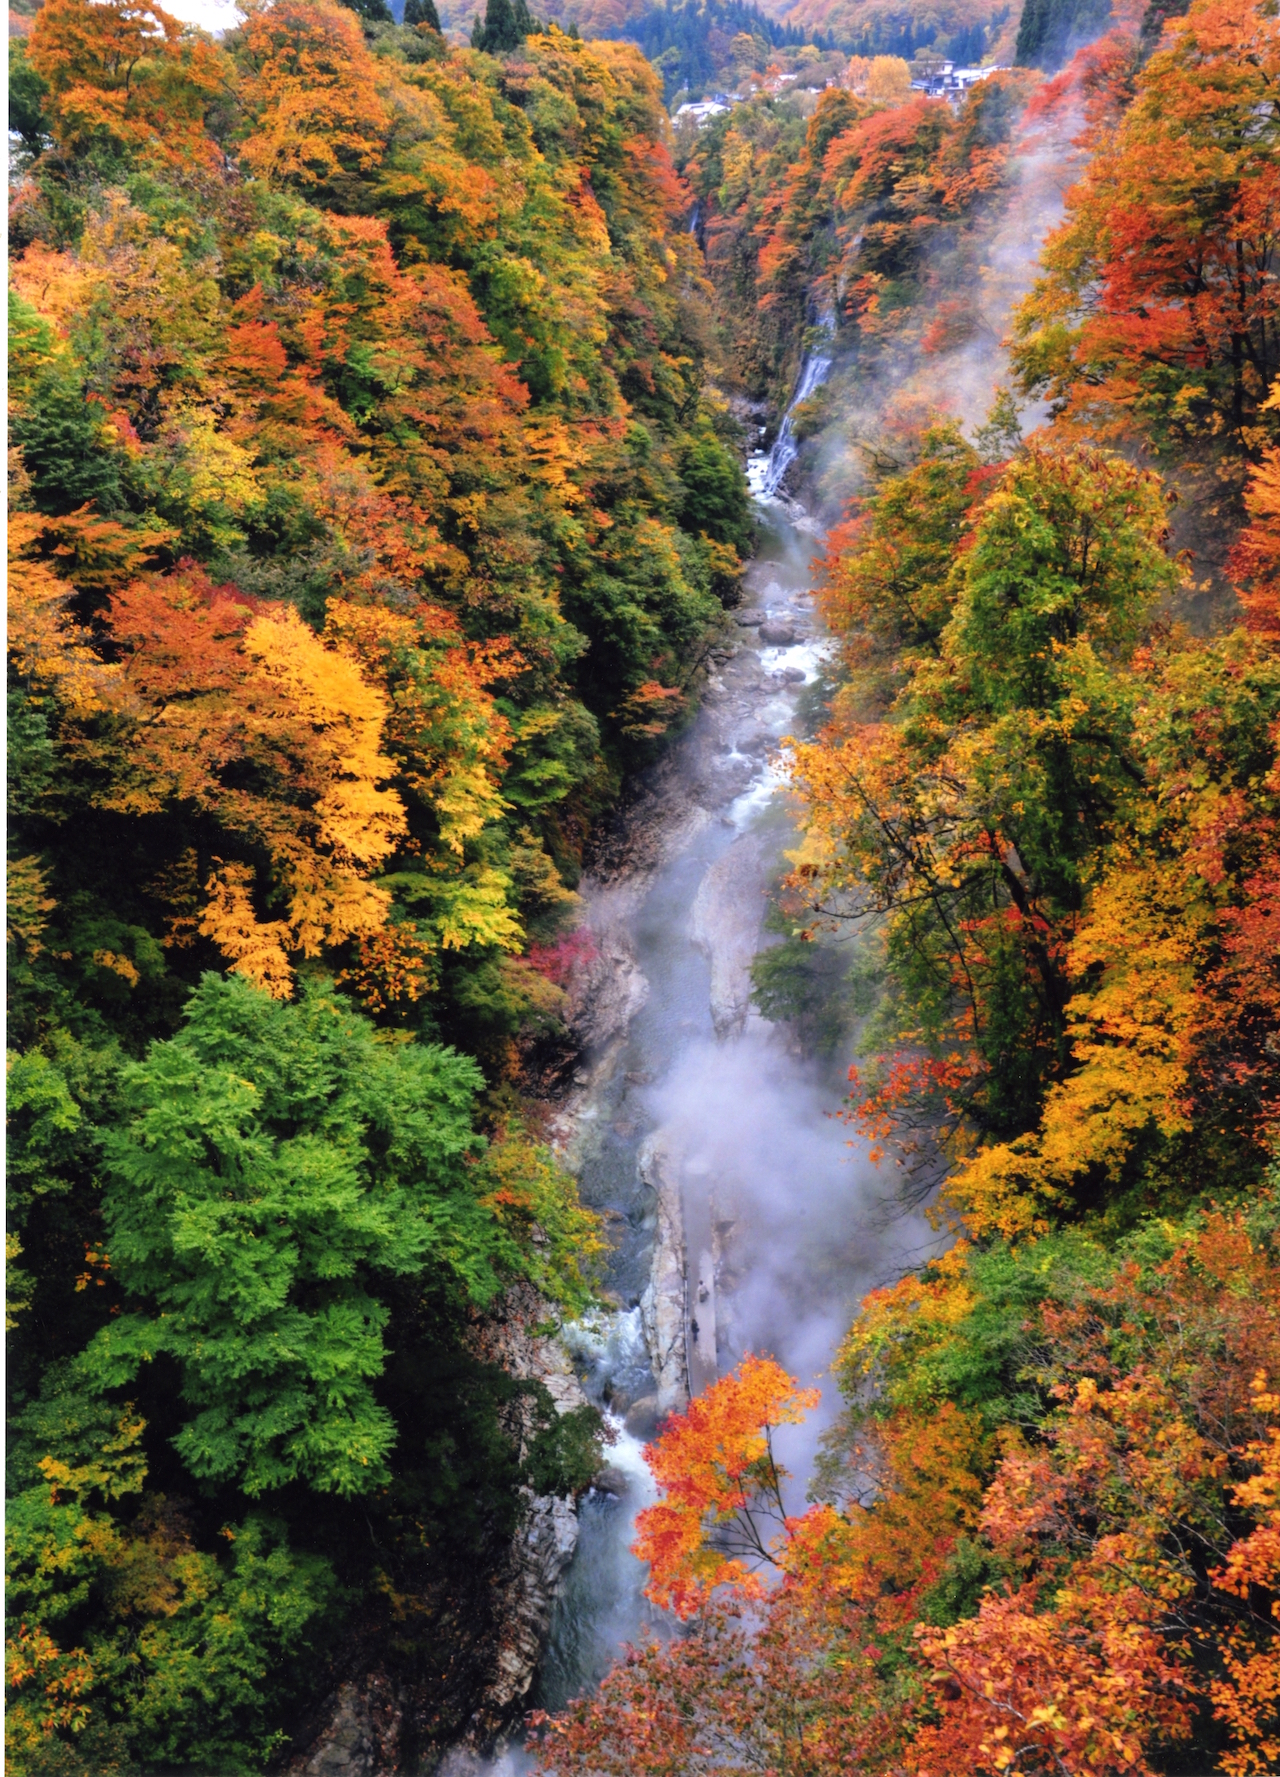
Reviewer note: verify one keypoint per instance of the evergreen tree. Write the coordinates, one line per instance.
(1052, 30)
(422, 12)
(377, 12)
(59, 429)
(506, 25)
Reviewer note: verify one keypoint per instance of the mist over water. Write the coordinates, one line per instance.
(781, 1208)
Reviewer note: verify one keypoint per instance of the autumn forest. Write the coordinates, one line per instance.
(380, 399)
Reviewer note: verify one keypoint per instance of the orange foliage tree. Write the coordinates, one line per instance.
(240, 718)
(1157, 310)
(1084, 1591)
(722, 1487)
(311, 91)
(127, 75)
(1128, 1531)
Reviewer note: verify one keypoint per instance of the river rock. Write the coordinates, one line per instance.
(725, 923)
(642, 1417)
(748, 619)
(777, 635)
(791, 675)
(611, 1480)
(662, 1306)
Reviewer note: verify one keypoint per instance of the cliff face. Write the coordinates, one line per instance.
(545, 1541)
(663, 1305)
(432, 1694)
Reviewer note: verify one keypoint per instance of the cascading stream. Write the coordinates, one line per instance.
(766, 474)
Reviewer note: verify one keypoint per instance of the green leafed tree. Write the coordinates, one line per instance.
(276, 1168)
(715, 498)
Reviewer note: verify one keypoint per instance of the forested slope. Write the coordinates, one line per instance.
(371, 514)
(1043, 1537)
(374, 508)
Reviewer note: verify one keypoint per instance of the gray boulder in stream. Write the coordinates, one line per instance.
(662, 1307)
(725, 923)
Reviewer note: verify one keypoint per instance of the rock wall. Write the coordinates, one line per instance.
(726, 924)
(379, 1722)
(543, 1546)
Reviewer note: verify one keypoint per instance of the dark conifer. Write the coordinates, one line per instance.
(376, 12)
(1050, 31)
(500, 32)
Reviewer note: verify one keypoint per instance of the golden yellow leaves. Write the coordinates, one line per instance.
(252, 947)
(45, 645)
(324, 688)
(450, 739)
(313, 94)
(28, 904)
(1131, 1032)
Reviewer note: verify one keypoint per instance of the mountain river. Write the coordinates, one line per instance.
(743, 1216)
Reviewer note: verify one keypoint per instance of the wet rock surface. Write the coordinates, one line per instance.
(663, 1304)
(726, 922)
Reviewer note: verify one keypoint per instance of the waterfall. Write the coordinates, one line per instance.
(767, 474)
(693, 220)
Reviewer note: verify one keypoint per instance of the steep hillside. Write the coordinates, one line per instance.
(372, 511)
(1037, 886)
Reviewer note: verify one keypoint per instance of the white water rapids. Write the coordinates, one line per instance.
(781, 1238)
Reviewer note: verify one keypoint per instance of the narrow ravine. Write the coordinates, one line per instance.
(744, 1218)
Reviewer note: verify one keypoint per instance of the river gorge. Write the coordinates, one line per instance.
(742, 1215)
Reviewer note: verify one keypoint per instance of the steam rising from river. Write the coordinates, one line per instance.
(960, 380)
(793, 1206)
(781, 1231)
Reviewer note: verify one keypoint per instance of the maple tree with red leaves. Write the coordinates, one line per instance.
(1157, 307)
(723, 1487)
